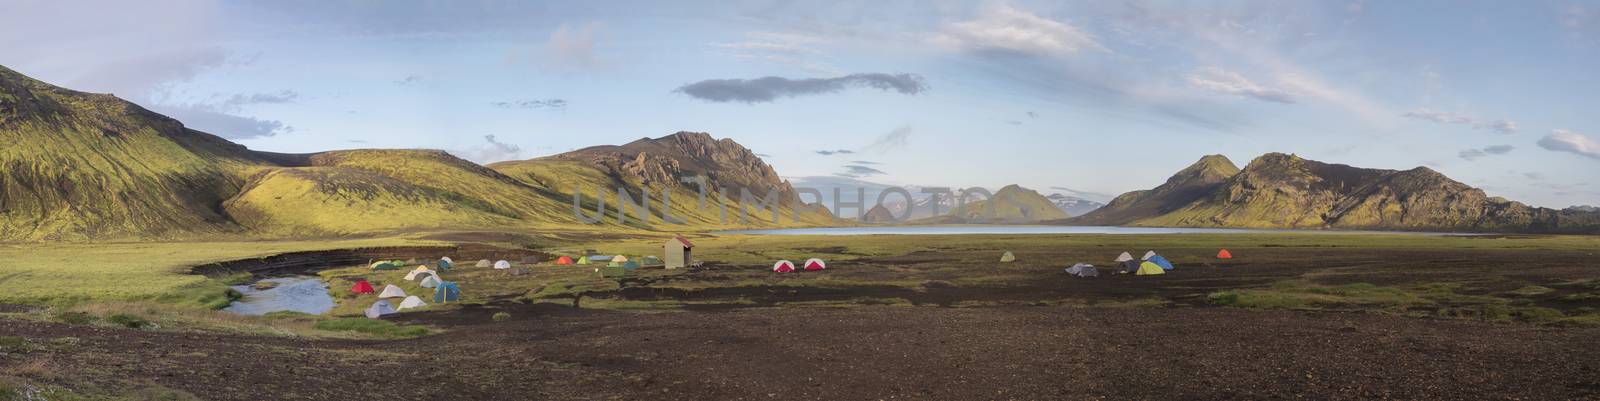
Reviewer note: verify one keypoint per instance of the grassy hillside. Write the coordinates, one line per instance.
(1010, 205)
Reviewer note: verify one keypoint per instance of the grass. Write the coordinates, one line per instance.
(373, 327)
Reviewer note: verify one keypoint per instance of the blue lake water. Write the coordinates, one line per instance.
(303, 294)
(1015, 229)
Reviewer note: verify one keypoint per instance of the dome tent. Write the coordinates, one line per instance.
(1224, 254)
(1149, 269)
(484, 263)
(1148, 255)
(816, 264)
(1161, 261)
(392, 291)
(502, 265)
(1083, 270)
(447, 292)
(783, 266)
(412, 302)
(431, 282)
(1008, 257)
(379, 309)
(1124, 257)
(564, 260)
(362, 287)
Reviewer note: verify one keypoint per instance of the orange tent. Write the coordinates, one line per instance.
(362, 287)
(564, 260)
(1224, 254)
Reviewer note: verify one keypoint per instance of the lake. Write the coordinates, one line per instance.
(305, 294)
(1023, 229)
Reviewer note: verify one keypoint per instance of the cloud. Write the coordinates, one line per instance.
(1475, 154)
(864, 162)
(1533, 176)
(491, 151)
(1231, 83)
(1443, 117)
(859, 171)
(768, 89)
(1033, 115)
(1499, 149)
(1002, 28)
(791, 49)
(531, 104)
(408, 80)
(211, 119)
(1567, 141)
(573, 46)
(239, 100)
(894, 140)
(835, 152)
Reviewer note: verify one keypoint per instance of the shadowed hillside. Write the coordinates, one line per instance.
(1013, 204)
(1285, 191)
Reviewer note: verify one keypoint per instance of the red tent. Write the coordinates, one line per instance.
(815, 264)
(1224, 254)
(362, 287)
(783, 266)
(564, 260)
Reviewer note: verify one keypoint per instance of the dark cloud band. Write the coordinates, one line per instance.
(768, 89)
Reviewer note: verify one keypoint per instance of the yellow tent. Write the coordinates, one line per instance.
(583, 260)
(1008, 257)
(1148, 269)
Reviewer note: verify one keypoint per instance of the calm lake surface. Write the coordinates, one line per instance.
(305, 294)
(1011, 229)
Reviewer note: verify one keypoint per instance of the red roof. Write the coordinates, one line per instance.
(684, 241)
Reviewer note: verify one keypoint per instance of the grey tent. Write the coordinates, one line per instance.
(379, 309)
(1124, 257)
(485, 263)
(431, 282)
(1128, 266)
(1083, 270)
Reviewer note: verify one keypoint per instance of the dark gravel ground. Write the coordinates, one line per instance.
(861, 353)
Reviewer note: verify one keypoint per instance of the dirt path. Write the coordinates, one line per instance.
(548, 352)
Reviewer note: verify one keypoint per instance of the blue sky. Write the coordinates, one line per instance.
(1101, 97)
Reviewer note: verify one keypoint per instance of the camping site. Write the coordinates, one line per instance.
(755, 200)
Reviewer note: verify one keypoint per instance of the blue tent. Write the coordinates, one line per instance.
(444, 264)
(1161, 261)
(447, 292)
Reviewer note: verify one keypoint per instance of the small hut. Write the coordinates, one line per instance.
(677, 252)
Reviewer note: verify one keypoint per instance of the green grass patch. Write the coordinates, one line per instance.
(374, 327)
(1532, 290)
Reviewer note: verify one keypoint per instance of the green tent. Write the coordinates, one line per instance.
(613, 272)
(583, 260)
(630, 265)
(387, 265)
(614, 264)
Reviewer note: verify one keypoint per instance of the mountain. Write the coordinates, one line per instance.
(1285, 191)
(878, 215)
(81, 166)
(1013, 204)
(1072, 205)
(1583, 208)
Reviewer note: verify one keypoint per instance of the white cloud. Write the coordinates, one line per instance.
(1231, 83)
(1444, 117)
(896, 139)
(1567, 141)
(791, 49)
(1001, 27)
(573, 46)
(492, 150)
(1474, 154)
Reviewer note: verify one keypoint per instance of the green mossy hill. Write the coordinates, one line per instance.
(1280, 190)
(77, 166)
(1012, 204)
(1192, 183)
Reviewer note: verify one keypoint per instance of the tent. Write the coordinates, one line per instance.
(392, 291)
(815, 264)
(620, 259)
(564, 260)
(1128, 266)
(387, 265)
(1124, 257)
(783, 266)
(583, 260)
(630, 265)
(1147, 269)
(447, 292)
(379, 309)
(1161, 261)
(1148, 255)
(1083, 270)
(413, 275)
(1008, 257)
(412, 302)
(361, 287)
(1224, 254)
(445, 263)
(484, 263)
(431, 282)
(502, 265)
(611, 271)
(447, 259)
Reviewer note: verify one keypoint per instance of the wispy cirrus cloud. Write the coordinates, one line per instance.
(1226, 82)
(1001, 28)
(531, 104)
(858, 171)
(1475, 154)
(768, 89)
(1443, 117)
(894, 140)
(835, 152)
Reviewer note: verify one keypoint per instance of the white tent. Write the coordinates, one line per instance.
(1124, 257)
(412, 302)
(502, 265)
(1148, 255)
(620, 259)
(430, 282)
(380, 308)
(783, 266)
(392, 291)
(448, 260)
(412, 276)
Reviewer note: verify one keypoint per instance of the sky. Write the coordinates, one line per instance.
(1089, 96)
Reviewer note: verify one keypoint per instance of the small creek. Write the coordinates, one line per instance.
(305, 294)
